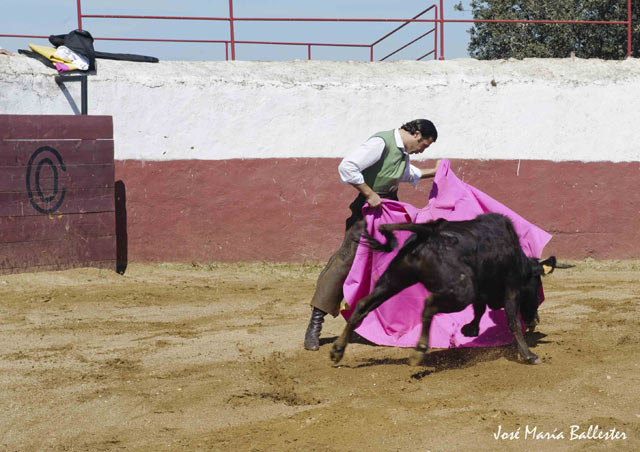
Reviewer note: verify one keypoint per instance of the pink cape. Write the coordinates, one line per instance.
(398, 321)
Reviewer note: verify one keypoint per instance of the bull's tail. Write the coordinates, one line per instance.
(422, 229)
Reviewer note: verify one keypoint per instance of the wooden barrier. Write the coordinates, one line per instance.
(56, 193)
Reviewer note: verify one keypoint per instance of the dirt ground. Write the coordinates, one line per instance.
(209, 357)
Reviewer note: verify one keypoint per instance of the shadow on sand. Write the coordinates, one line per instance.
(450, 358)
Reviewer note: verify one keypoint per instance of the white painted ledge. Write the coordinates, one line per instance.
(549, 109)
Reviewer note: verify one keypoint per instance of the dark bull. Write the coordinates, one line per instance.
(478, 262)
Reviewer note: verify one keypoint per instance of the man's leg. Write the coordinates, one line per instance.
(328, 293)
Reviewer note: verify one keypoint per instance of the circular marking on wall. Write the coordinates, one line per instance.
(43, 180)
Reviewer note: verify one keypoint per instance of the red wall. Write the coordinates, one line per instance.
(293, 210)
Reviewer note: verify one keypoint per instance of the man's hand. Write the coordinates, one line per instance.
(431, 172)
(371, 196)
(374, 200)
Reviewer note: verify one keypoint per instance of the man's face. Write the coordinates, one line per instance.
(417, 143)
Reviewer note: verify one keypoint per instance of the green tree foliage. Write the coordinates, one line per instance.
(492, 41)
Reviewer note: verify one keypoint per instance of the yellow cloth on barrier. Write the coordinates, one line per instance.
(48, 53)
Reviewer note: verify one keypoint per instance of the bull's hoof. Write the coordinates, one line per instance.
(470, 330)
(336, 354)
(417, 357)
(533, 359)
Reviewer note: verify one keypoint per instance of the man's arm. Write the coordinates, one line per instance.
(371, 196)
(430, 172)
(351, 167)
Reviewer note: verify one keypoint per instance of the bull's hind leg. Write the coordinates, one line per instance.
(472, 329)
(430, 309)
(511, 309)
(393, 280)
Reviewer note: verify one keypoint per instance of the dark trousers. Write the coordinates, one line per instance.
(328, 294)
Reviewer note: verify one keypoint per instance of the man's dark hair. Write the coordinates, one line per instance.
(424, 126)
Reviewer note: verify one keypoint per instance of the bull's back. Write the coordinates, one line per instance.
(487, 237)
(488, 245)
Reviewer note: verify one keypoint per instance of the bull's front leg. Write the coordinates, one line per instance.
(363, 307)
(337, 351)
(430, 309)
(392, 281)
(513, 319)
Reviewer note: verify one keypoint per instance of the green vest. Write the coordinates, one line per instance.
(384, 175)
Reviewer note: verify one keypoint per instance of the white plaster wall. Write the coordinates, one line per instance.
(563, 109)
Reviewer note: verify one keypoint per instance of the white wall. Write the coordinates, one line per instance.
(568, 109)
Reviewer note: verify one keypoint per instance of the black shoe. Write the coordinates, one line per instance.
(312, 336)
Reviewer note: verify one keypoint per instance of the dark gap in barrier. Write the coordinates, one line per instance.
(121, 227)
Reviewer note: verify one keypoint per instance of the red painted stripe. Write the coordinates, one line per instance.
(293, 210)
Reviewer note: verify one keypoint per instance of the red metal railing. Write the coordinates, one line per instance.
(232, 19)
(438, 22)
(434, 31)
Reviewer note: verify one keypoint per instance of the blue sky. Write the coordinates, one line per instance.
(45, 17)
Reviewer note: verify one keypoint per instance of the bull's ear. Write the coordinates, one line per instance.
(548, 265)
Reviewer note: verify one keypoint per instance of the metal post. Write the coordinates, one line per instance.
(441, 30)
(84, 94)
(629, 28)
(371, 53)
(309, 49)
(435, 34)
(79, 14)
(233, 40)
(84, 90)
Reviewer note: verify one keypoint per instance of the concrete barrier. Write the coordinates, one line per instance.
(235, 161)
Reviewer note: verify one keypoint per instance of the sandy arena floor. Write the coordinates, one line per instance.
(191, 357)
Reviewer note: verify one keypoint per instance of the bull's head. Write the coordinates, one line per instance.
(547, 266)
(531, 291)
